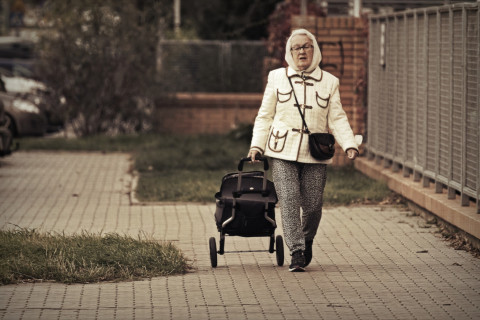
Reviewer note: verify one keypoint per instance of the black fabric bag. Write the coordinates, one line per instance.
(322, 145)
(245, 204)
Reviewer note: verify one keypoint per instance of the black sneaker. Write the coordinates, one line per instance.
(308, 252)
(298, 262)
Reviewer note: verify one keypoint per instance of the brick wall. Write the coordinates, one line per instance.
(343, 45)
(195, 113)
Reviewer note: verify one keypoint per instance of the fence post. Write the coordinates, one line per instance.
(464, 198)
(477, 184)
(225, 64)
(426, 180)
(451, 191)
(388, 67)
(416, 172)
(394, 155)
(438, 184)
(406, 171)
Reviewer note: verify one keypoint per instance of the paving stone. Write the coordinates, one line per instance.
(370, 262)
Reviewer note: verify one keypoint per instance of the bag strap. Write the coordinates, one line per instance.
(298, 106)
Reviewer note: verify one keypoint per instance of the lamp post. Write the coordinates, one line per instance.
(303, 8)
(176, 16)
(4, 17)
(357, 8)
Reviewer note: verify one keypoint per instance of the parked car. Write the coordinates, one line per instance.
(19, 67)
(15, 47)
(27, 88)
(25, 117)
(5, 134)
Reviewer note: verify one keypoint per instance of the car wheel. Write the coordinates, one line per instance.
(12, 127)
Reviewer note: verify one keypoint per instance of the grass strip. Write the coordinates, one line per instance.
(27, 255)
(347, 186)
(190, 168)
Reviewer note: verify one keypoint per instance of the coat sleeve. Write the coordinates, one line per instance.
(265, 116)
(338, 121)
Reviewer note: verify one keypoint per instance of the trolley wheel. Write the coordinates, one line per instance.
(272, 243)
(280, 252)
(213, 251)
(222, 244)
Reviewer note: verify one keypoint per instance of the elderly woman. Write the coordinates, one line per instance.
(279, 133)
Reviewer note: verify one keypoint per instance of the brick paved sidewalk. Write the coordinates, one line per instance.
(370, 262)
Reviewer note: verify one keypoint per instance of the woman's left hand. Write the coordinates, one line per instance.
(352, 154)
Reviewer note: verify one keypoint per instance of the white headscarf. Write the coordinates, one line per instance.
(317, 55)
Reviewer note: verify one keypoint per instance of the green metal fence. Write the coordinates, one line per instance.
(212, 66)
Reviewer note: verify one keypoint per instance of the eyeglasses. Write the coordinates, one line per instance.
(305, 47)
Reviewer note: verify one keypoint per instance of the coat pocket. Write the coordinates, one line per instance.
(283, 97)
(277, 140)
(321, 101)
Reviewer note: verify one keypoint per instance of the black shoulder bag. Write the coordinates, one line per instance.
(322, 145)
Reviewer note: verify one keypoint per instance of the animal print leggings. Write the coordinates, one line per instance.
(299, 185)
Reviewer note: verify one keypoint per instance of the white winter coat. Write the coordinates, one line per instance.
(279, 132)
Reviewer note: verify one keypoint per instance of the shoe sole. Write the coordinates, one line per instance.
(297, 269)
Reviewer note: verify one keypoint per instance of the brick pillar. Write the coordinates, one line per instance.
(343, 43)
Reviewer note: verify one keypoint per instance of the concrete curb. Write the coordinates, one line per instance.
(464, 218)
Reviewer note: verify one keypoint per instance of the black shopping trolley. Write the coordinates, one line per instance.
(245, 206)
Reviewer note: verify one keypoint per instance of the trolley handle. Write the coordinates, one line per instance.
(249, 159)
(238, 194)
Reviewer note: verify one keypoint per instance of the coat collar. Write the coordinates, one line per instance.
(316, 75)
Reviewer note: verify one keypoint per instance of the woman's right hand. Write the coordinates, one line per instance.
(254, 155)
